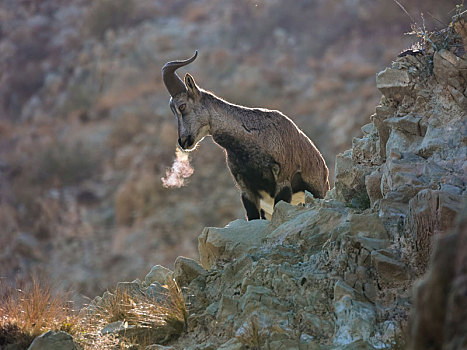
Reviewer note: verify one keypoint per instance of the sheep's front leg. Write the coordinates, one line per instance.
(283, 192)
(251, 205)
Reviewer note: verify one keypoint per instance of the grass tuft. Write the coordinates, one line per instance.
(251, 334)
(29, 311)
(145, 320)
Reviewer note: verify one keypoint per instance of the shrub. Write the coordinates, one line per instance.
(62, 164)
(108, 14)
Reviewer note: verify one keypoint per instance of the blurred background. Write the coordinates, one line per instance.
(86, 133)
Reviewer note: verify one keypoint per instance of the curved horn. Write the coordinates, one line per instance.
(171, 80)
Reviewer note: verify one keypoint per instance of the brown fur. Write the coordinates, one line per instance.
(266, 151)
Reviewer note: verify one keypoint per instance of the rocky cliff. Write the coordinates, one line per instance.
(339, 273)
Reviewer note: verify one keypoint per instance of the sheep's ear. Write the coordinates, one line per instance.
(192, 88)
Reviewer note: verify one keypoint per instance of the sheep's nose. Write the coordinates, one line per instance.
(185, 142)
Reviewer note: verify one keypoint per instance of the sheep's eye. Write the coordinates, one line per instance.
(182, 107)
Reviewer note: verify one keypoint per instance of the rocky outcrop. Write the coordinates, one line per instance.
(338, 273)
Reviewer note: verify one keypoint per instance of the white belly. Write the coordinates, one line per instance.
(267, 202)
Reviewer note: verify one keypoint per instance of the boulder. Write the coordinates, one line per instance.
(394, 83)
(54, 341)
(367, 225)
(186, 270)
(231, 241)
(355, 320)
(158, 274)
(390, 271)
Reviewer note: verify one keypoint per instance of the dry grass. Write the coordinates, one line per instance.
(29, 311)
(252, 335)
(145, 320)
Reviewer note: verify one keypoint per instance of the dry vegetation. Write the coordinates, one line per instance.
(108, 14)
(28, 312)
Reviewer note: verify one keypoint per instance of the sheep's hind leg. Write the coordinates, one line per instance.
(283, 193)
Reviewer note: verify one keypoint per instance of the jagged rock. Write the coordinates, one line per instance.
(373, 186)
(409, 124)
(113, 327)
(227, 308)
(318, 226)
(284, 211)
(439, 318)
(446, 69)
(439, 134)
(431, 212)
(406, 176)
(459, 97)
(257, 297)
(54, 341)
(367, 225)
(232, 344)
(186, 270)
(350, 180)
(393, 211)
(390, 271)
(231, 241)
(143, 334)
(159, 347)
(355, 320)
(382, 113)
(366, 150)
(401, 141)
(371, 244)
(341, 289)
(394, 83)
(158, 274)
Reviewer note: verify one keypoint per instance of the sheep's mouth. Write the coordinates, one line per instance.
(187, 143)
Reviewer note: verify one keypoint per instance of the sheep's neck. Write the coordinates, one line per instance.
(229, 123)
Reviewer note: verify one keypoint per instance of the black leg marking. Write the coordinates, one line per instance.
(263, 214)
(252, 211)
(285, 194)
